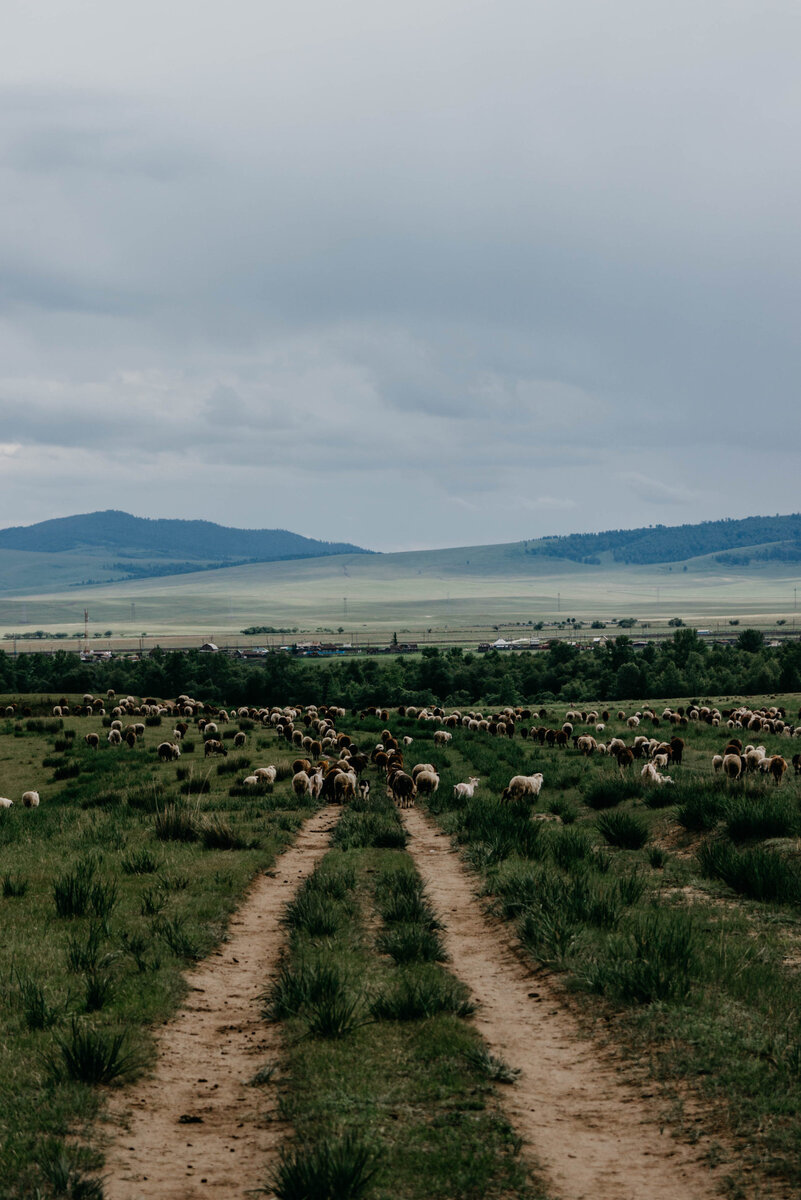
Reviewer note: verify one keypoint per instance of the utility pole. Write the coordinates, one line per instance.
(86, 631)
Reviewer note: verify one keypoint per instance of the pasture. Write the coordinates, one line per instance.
(459, 593)
(666, 921)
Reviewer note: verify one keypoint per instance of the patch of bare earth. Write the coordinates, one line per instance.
(592, 1133)
(196, 1128)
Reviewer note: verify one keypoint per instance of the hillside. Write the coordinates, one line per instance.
(760, 539)
(113, 545)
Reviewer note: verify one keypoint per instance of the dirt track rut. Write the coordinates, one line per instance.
(195, 1128)
(593, 1136)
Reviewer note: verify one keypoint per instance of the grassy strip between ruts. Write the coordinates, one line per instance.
(120, 879)
(696, 984)
(388, 1088)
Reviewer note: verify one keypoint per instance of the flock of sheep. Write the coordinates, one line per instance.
(332, 765)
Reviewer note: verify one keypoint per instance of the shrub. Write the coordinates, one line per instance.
(569, 846)
(417, 996)
(175, 824)
(84, 955)
(72, 891)
(700, 806)
(92, 1056)
(411, 943)
(140, 862)
(755, 871)
(624, 830)
(490, 1066)
(182, 943)
(656, 960)
(294, 987)
(334, 1014)
(311, 913)
(37, 1011)
(340, 1169)
(749, 817)
(14, 887)
(98, 990)
(217, 834)
(607, 793)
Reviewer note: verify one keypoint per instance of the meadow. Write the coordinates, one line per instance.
(668, 919)
(458, 593)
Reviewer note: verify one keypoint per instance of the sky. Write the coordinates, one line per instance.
(418, 275)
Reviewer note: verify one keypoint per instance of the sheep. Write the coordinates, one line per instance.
(364, 789)
(523, 785)
(464, 791)
(427, 782)
(239, 740)
(301, 784)
(266, 774)
(30, 799)
(442, 737)
(251, 781)
(213, 746)
(402, 789)
(114, 737)
(344, 786)
(5, 802)
(776, 768)
(168, 751)
(92, 740)
(732, 766)
(717, 762)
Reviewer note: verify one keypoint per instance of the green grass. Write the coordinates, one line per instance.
(100, 921)
(379, 1066)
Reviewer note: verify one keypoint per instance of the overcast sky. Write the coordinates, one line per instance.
(416, 274)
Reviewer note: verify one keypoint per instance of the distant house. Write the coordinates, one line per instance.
(501, 644)
(209, 648)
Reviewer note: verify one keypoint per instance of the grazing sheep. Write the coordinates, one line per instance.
(92, 740)
(717, 762)
(114, 737)
(301, 784)
(5, 802)
(442, 737)
(427, 782)
(625, 758)
(239, 740)
(251, 781)
(523, 785)
(30, 799)
(266, 774)
(776, 768)
(732, 766)
(402, 789)
(213, 746)
(168, 751)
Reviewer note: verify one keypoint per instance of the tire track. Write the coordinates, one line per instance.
(195, 1128)
(592, 1135)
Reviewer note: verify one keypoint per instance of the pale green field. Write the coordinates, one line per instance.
(371, 596)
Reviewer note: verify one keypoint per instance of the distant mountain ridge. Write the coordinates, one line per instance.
(759, 539)
(189, 542)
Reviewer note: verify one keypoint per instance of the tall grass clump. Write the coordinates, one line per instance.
(37, 1011)
(656, 959)
(90, 1055)
(749, 818)
(411, 943)
(72, 891)
(755, 871)
(623, 829)
(607, 793)
(421, 994)
(331, 1169)
(700, 806)
(175, 824)
(380, 829)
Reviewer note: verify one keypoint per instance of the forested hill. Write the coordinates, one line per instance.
(120, 534)
(734, 541)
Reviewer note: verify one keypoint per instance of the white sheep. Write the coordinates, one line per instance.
(5, 802)
(523, 785)
(30, 799)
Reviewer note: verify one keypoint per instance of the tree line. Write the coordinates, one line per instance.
(684, 665)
